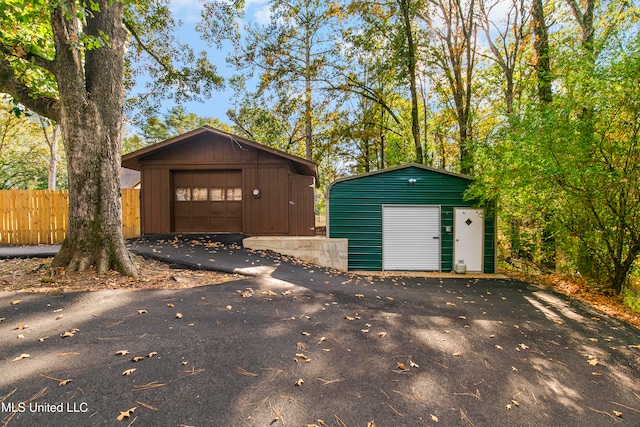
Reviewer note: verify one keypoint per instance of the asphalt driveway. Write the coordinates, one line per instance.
(297, 345)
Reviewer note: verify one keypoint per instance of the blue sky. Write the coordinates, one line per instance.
(188, 11)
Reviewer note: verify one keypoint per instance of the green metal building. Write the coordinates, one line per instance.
(411, 218)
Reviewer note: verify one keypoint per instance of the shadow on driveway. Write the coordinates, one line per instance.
(298, 345)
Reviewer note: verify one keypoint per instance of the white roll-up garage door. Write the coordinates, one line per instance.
(411, 237)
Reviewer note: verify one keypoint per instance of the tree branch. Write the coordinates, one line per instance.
(9, 83)
(152, 54)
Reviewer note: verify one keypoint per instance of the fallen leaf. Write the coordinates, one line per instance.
(129, 372)
(299, 382)
(322, 339)
(508, 406)
(498, 347)
(69, 334)
(126, 414)
(122, 352)
(59, 317)
(371, 424)
(153, 353)
(434, 418)
(524, 346)
(20, 337)
(170, 305)
(178, 315)
(596, 374)
(364, 331)
(302, 356)
(229, 307)
(593, 339)
(515, 403)
(382, 334)
(617, 413)
(401, 366)
(413, 364)
(42, 339)
(359, 296)
(457, 354)
(16, 301)
(137, 358)
(306, 334)
(595, 319)
(142, 311)
(286, 293)
(349, 318)
(593, 362)
(22, 326)
(22, 356)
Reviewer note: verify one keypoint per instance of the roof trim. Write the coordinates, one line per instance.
(400, 167)
(131, 160)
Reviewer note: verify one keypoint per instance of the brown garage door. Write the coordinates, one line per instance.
(207, 201)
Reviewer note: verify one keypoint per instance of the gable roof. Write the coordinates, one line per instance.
(405, 166)
(132, 160)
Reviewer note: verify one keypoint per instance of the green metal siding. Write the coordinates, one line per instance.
(355, 211)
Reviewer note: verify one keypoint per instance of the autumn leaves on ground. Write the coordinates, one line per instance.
(302, 345)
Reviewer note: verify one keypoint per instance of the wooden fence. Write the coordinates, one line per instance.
(32, 217)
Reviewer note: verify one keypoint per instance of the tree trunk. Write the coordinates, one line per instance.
(91, 97)
(411, 68)
(541, 46)
(53, 152)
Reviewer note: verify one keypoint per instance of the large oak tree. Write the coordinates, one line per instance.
(65, 60)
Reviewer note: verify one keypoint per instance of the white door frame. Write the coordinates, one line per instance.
(468, 238)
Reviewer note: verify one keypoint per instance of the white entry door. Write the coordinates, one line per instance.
(411, 237)
(469, 238)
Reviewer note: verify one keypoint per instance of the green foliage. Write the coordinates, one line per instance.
(567, 172)
(262, 125)
(24, 155)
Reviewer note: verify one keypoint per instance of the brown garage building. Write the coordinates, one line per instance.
(208, 180)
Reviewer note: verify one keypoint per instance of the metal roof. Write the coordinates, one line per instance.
(405, 166)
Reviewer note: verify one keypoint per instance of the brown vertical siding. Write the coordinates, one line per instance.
(301, 205)
(267, 214)
(156, 201)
